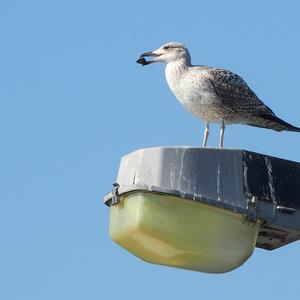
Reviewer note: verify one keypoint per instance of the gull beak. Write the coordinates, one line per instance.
(145, 62)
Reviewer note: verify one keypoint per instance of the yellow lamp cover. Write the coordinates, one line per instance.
(169, 230)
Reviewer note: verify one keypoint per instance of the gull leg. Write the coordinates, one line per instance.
(206, 134)
(222, 129)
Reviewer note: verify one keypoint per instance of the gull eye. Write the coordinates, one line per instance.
(166, 47)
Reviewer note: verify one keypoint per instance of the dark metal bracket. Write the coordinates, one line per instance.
(115, 194)
(251, 213)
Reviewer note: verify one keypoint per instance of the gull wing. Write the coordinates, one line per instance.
(234, 93)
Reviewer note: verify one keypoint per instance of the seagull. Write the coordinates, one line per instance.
(213, 95)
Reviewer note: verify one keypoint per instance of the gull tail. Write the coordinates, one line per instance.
(272, 122)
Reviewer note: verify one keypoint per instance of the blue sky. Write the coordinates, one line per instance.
(73, 101)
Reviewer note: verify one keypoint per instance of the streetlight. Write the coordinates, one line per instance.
(203, 209)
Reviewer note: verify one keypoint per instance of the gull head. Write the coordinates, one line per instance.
(167, 53)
